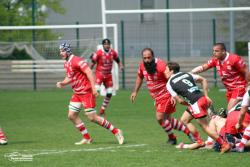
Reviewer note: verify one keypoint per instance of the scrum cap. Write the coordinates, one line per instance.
(66, 47)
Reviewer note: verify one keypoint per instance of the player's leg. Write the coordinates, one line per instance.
(234, 96)
(3, 139)
(186, 119)
(199, 112)
(108, 83)
(178, 125)
(73, 115)
(165, 123)
(90, 112)
(203, 122)
(164, 108)
(245, 138)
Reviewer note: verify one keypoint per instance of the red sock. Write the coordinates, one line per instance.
(219, 140)
(83, 130)
(106, 124)
(2, 136)
(171, 136)
(176, 124)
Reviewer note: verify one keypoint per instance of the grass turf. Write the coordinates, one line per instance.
(36, 124)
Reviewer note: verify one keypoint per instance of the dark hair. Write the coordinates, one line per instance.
(106, 41)
(149, 49)
(174, 66)
(222, 46)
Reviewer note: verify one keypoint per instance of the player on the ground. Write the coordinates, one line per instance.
(80, 76)
(232, 70)
(103, 58)
(224, 125)
(244, 113)
(153, 70)
(3, 139)
(183, 84)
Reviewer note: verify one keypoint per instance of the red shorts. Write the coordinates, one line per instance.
(87, 100)
(199, 108)
(232, 119)
(235, 93)
(164, 105)
(222, 132)
(105, 79)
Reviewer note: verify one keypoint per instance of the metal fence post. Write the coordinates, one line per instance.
(214, 41)
(123, 54)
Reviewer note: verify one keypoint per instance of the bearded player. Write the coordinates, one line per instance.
(154, 70)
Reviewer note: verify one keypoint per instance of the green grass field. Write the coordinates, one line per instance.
(36, 125)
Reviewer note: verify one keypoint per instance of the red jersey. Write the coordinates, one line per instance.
(104, 60)
(228, 69)
(75, 67)
(156, 83)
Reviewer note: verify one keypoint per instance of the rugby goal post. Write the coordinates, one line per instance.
(55, 43)
(183, 10)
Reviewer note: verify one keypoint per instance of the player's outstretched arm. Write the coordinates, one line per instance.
(204, 85)
(180, 100)
(63, 83)
(90, 76)
(138, 84)
(243, 111)
(200, 69)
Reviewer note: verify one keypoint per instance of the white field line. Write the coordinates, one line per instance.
(49, 152)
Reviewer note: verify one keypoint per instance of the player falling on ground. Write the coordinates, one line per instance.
(183, 84)
(3, 139)
(80, 76)
(244, 113)
(225, 126)
(103, 58)
(153, 70)
(232, 70)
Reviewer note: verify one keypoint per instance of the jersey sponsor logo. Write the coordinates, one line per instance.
(180, 78)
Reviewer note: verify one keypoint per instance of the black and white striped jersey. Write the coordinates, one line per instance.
(183, 84)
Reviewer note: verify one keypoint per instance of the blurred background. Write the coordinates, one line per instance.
(29, 58)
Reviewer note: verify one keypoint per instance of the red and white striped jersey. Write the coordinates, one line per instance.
(75, 70)
(228, 69)
(104, 60)
(156, 83)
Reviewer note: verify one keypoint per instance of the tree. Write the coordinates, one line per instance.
(19, 13)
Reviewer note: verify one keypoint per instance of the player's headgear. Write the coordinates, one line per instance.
(66, 47)
(222, 112)
(106, 41)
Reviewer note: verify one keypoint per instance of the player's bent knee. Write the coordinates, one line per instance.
(109, 90)
(109, 95)
(75, 106)
(91, 114)
(98, 88)
(72, 115)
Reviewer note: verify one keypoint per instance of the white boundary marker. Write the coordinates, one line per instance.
(21, 155)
